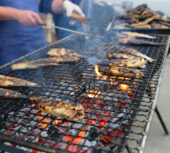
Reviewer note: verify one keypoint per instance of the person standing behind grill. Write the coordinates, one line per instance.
(63, 21)
(20, 26)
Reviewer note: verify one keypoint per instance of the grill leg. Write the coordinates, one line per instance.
(161, 120)
(128, 149)
(168, 52)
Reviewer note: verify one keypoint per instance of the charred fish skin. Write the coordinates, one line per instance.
(144, 18)
(7, 81)
(53, 61)
(122, 72)
(138, 35)
(134, 52)
(124, 39)
(6, 93)
(63, 52)
(112, 54)
(128, 63)
(68, 111)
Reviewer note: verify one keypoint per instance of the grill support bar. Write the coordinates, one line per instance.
(10, 149)
(161, 121)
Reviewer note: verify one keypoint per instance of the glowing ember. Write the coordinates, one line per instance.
(126, 88)
(77, 140)
(94, 93)
(45, 121)
(98, 74)
(113, 80)
(73, 148)
(67, 138)
(102, 123)
(57, 122)
(91, 122)
(81, 134)
(9, 132)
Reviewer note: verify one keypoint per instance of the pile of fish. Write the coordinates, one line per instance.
(59, 55)
(72, 112)
(141, 17)
(126, 62)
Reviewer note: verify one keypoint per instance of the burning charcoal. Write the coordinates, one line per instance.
(44, 134)
(33, 123)
(73, 132)
(61, 145)
(25, 129)
(54, 132)
(90, 143)
(93, 134)
(77, 126)
(107, 98)
(98, 151)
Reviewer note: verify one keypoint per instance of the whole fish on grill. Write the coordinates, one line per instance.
(6, 93)
(134, 52)
(7, 81)
(112, 54)
(63, 52)
(53, 61)
(138, 35)
(68, 111)
(122, 72)
(147, 21)
(140, 63)
(147, 26)
(124, 39)
(71, 112)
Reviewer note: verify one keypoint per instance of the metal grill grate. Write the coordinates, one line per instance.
(110, 111)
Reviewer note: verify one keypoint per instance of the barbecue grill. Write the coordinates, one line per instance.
(118, 110)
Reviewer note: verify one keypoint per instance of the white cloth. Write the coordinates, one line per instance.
(70, 8)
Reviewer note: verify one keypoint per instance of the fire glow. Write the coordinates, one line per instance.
(94, 93)
(104, 77)
(98, 74)
(125, 88)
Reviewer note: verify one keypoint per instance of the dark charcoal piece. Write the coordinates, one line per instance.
(93, 134)
(100, 151)
(54, 133)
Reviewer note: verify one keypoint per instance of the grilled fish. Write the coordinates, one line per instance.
(134, 52)
(63, 52)
(140, 26)
(131, 40)
(148, 20)
(112, 54)
(122, 72)
(6, 93)
(139, 35)
(53, 61)
(7, 81)
(140, 63)
(68, 111)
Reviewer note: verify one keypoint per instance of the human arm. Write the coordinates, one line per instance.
(25, 17)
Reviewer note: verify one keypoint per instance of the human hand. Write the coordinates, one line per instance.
(28, 18)
(69, 7)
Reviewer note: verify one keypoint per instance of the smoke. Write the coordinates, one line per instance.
(103, 15)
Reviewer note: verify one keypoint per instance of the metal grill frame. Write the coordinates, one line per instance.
(143, 140)
(152, 96)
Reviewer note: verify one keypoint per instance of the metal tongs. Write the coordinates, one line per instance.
(76, 17)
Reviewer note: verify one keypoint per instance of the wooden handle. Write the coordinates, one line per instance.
(80, 18)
